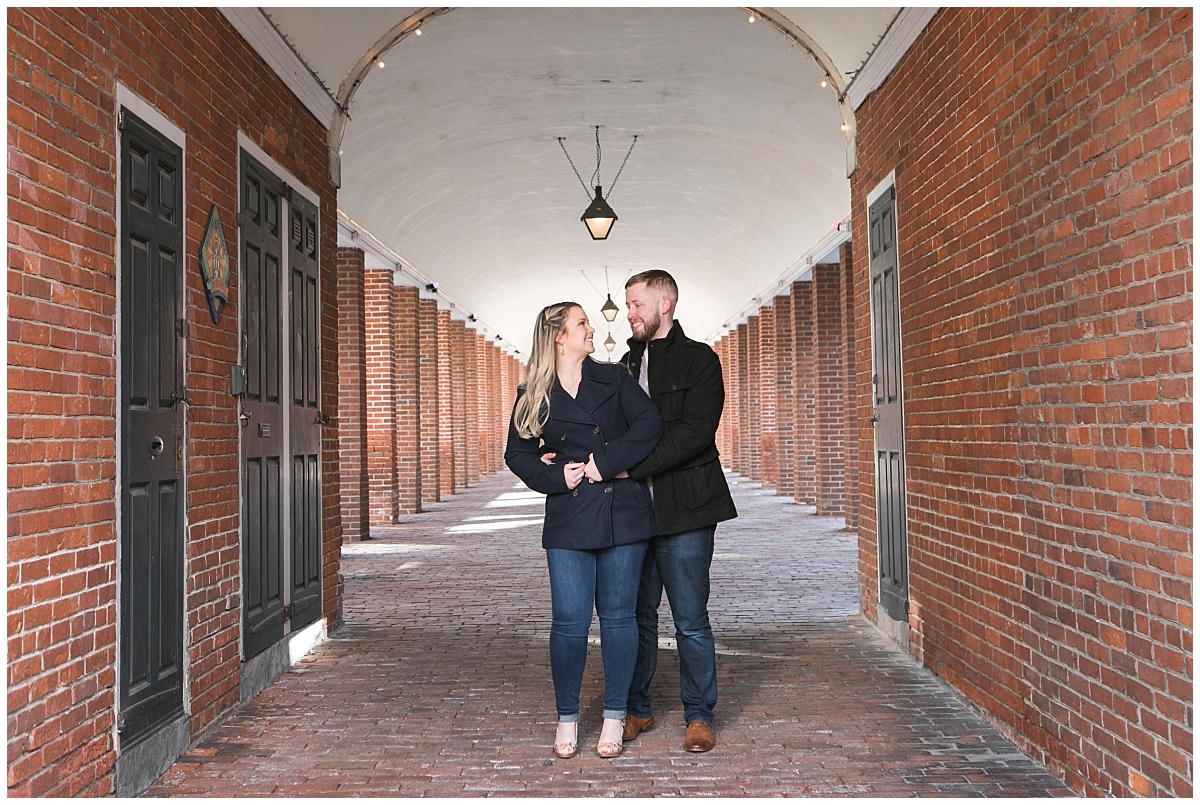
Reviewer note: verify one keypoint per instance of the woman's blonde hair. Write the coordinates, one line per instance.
(533, 408)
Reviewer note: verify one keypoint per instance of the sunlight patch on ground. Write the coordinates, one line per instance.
(377, 548)
(481, 528)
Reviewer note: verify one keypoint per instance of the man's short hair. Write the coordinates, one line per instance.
(657, 280)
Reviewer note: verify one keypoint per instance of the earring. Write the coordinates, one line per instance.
(562, 351)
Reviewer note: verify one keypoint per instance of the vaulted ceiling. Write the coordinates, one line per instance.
(450, 154)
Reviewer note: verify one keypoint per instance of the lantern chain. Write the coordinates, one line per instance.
(572, 163)
(618, 176)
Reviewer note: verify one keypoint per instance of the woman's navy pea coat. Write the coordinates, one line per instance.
(611, 418)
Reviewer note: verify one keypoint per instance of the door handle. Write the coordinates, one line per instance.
(321, 419)
(244, 417)
(874, 417)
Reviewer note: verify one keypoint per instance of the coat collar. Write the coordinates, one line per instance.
(594, 389)
(638, 348)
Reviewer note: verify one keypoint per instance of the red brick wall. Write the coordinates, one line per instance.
(446, 367)
(62, 535)
(829, 391)
(766, 396)
(471, 409)
(406, 379)
(804, 427)
(745, 435)
(1044, 208)
(853, 447)
(458, 380)
(429, 459)
(753, 444)
(352, 395)
(722, 350)
(381, 397)
(785, 458)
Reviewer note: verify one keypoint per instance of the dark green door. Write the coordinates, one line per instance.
(889, 410)
(151, 615)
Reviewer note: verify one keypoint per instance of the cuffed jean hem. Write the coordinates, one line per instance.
(568, 719)
(614, 713)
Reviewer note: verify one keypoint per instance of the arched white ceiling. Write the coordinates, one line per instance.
(450, 156)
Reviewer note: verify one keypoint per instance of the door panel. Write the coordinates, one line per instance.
(261, 414)
(151, 613)
(305, 414)
(889, 409)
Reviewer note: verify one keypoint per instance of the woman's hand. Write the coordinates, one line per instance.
(573, 474)
(591, 471)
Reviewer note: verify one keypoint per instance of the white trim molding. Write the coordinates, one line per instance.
(267, 42)
(896, 41)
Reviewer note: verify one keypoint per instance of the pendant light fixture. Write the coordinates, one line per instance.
(599, 216)
(610, 343)
(610, 309)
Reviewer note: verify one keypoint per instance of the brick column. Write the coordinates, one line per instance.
(496, 451)
(766, 395)
(471, 406)
(352, 395)
(722, 350)
(785, 409)
(505, 405)
(407, 379)
(381, 401)
(445, 391)
(852, 454)
(743, 428)
(483, 432)
(830, 389)
(429, 348)
(458, 381)
(753, 435)
(733, 394)
(804, 432)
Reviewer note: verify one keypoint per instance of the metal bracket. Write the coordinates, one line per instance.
(181, 396)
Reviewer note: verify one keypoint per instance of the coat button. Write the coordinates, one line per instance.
(574, 493)
(562, 438)
(672, 388)
(607, 489)
(596, 429)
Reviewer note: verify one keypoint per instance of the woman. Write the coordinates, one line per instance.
(599, 423)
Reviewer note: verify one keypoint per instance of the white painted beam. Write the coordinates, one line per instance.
(896, 41)
(267, 42)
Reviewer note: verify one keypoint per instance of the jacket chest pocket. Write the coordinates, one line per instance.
(671, 400)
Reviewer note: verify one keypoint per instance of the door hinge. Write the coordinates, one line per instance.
(181, 328)
(181, 396)
(121, 120)
(120, 723)
(243, 219)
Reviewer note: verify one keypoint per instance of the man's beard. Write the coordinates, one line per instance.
(649, 328)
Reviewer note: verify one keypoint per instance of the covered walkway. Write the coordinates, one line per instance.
(439, 683)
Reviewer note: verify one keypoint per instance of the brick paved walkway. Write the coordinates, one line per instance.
(439, 682)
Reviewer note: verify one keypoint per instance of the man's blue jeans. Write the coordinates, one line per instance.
(680, 564)
(608, 577)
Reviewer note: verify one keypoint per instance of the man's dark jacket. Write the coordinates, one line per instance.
(685, 383)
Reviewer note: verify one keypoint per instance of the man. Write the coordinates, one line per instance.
(683, 378)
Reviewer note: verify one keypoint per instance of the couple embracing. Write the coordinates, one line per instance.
(627, 458)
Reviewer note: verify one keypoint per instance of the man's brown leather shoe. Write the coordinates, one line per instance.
(634, 725)
(699, 737)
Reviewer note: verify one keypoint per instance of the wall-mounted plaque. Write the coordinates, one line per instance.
(214, 264)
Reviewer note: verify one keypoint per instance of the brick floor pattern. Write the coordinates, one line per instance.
(438, 683)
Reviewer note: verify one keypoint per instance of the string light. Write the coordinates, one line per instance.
(379, 63)
(752, 18)
(845, 127)
(824, 83)
(417, 32)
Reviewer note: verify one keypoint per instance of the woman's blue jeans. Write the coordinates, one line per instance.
(609, 579)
